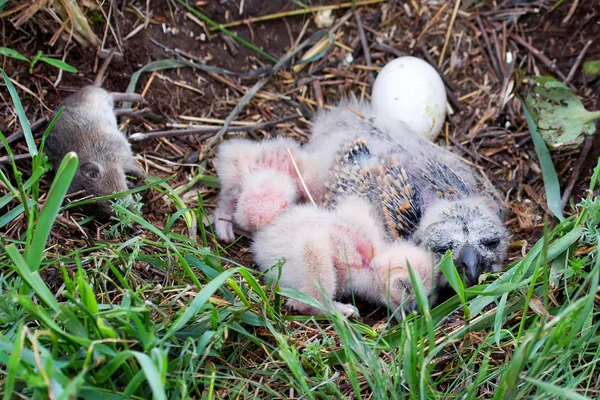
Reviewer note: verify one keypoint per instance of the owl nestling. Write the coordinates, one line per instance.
(259, 181)
(421, 191)
(331, 252)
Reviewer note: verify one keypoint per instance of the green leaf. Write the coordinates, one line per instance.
(58, 64)
(152, 375)
(5, 51)
(88, 297)
(21, 114)
(591, 69)
(548, 172)
(454, 279)
(452, 275)
(60, 185)
(560, 116)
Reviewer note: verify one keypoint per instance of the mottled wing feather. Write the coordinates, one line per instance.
(399, 198)
(348, 176)
(385, 184)
(445, 182)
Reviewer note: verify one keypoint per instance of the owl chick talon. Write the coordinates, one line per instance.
(347, 310)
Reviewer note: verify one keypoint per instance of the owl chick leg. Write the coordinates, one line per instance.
(264, 196)
(302, 240)
(320, 280)
(223, 216)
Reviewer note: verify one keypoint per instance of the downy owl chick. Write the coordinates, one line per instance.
(259, 181)
(420, 190)
(329, 253)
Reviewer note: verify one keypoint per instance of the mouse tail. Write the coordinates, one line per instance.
(103, 67)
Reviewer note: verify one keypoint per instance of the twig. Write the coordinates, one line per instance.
(7, 159)
(302, 11)
(488, 47)
(363, 39)
(301, 179)
(577, 62)
(390, 49)
(19, 134)
(540, 56)
(137, 137)
(258, 85)
(356, 112)
(432, 21)
(571, 12)
(451, 88)
(576, 170)
(449, 32)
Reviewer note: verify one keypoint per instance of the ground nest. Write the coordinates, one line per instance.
(486, 51)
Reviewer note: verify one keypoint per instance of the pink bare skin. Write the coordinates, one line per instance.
(329, 253)
(259, 181)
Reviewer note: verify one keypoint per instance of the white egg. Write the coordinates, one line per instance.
(408, 91)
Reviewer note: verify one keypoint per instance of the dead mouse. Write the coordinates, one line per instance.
(88, 126)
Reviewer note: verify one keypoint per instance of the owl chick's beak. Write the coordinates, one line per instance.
(468, 260)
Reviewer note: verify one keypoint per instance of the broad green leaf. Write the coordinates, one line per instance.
(560, 116)
(449, 270)
(32, 278)
(591, 69)
(152, 376)
(8, 217)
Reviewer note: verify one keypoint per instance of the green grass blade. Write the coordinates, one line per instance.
(21, 114)
(32, 278)
(13, 364)
(499, 319)
(5, 51)
(450, 272)
(559, 392)
(199, 302)
(59, 64)
(548, 172)
(152, 375)
(60, 185)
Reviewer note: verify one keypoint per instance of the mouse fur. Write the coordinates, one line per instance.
(88, 127)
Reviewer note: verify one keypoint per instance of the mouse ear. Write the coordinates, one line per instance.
(90, 170)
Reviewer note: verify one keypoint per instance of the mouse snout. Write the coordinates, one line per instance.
(105, 182)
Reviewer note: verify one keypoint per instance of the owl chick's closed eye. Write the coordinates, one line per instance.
(422, 191)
